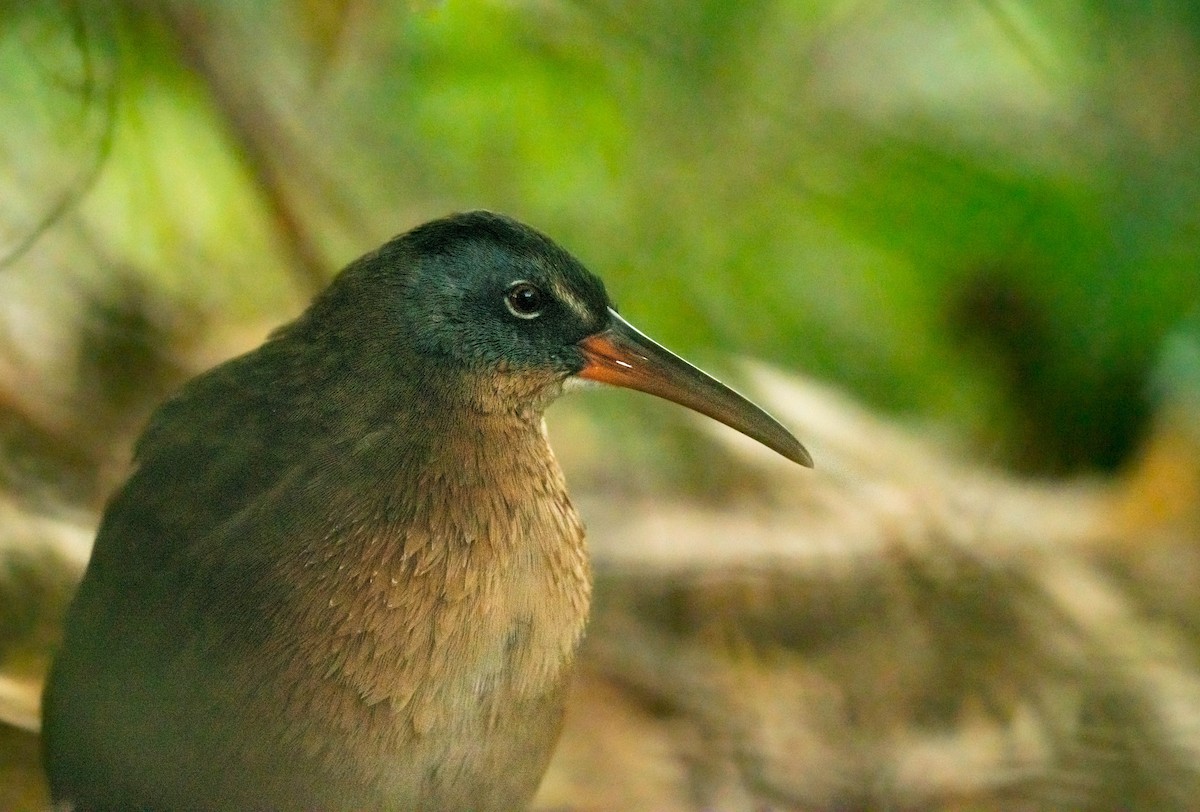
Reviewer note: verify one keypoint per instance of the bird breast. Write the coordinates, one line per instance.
(450, 610)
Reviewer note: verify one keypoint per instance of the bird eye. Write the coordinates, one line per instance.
(525, 300)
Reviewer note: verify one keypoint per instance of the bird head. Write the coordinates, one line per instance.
(507, 317)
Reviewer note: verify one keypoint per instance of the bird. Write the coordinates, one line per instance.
(344, 571)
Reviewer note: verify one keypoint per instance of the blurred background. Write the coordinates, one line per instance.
(976, 224)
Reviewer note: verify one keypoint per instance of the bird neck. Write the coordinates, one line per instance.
(466, 580)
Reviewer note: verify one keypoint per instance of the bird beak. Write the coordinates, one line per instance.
(622, 356)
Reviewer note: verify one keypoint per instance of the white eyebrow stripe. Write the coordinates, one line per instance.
(572, 301)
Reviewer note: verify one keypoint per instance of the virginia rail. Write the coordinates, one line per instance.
(345, 572)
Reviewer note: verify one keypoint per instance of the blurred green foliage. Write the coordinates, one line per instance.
(982, 215)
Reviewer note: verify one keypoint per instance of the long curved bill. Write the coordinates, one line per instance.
(622, 355)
